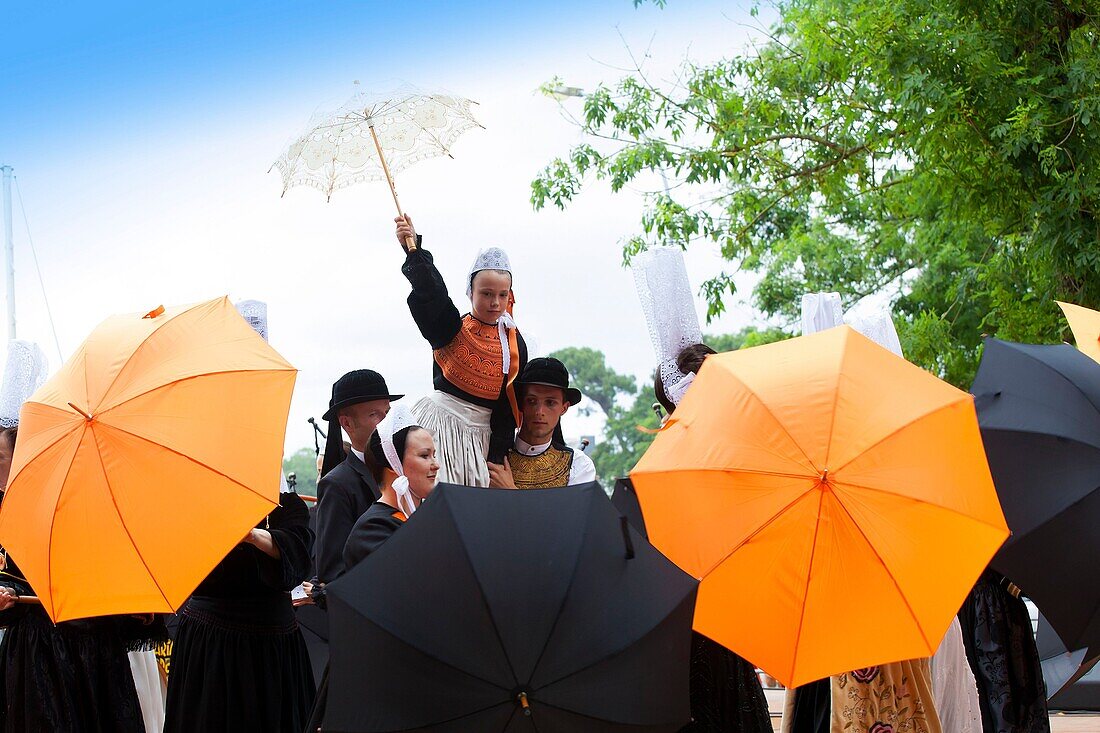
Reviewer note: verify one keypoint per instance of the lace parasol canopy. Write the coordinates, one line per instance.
(338, 149)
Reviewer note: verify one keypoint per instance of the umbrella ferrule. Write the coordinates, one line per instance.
(825, 476)
(521, 698)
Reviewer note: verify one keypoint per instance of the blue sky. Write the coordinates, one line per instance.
(142, 135)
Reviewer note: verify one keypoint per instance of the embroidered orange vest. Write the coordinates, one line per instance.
(473, 361)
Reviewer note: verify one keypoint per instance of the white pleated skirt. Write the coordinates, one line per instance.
(461, 433)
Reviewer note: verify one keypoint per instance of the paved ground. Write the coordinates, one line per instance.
(1059, 723)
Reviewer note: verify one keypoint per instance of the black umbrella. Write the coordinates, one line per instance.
(1039, 411)
(1061, 668)
(501, 610)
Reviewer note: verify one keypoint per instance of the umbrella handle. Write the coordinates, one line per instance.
(626, 538)
(410, 243)
(523, 703)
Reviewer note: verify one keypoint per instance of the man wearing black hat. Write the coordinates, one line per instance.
(360, 399)
(540, 458)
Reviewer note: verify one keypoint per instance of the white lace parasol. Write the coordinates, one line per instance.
(338, 149)
(660, 276)
(255, 312)
(397, 419)
(24, 372)
(820, 311)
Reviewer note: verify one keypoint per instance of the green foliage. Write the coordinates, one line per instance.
(943, 150)
(590, 374)
(303, 463)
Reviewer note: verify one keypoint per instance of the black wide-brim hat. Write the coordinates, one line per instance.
(361, 385)
(550, 372)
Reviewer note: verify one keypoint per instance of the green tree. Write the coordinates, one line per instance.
(943, 150)
(589, 372)
(303, 464)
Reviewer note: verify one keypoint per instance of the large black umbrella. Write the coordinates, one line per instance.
(1039, 411)
(501, 610)
(1061, 668)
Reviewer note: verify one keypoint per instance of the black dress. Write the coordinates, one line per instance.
(1000, 647)
(440, 323)
(239, 661)
(726, 696)
(374, 527)
(73, 677)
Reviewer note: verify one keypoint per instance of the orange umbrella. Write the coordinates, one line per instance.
(833, 498)
(145, 460)
(1085, 324)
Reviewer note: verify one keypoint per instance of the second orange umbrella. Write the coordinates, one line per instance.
(145, 460)
(833, 498)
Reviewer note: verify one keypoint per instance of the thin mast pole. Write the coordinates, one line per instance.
(9, 250)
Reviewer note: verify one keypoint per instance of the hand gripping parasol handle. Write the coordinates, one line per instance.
(410, 243)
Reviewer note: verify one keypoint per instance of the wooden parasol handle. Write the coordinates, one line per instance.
(28, 599)
(409, 241)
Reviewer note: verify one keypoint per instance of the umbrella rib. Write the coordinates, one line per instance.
(901, 594)
(809, 576)
(171, 382)
(53, 519)
(901, 428)
(557, 616)
(488, 610)
(114, 503)
(1051, 367)
(842, 482)
(768, 409)
(429, 655)
(133, 353)
(187, 458)
(760, 529)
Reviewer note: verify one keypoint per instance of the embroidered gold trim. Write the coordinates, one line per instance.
(548, 470)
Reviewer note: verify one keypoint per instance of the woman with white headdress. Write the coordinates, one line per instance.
(473, 412)
(72, 676)
(726, 695)
(406, 469)
(239, 662)
(407, 451)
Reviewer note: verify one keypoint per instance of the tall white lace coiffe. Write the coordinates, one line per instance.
(24, 372)
(397, 419)
(494, 258)
(664, 290)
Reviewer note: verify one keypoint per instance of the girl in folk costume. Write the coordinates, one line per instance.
(890, 697)
(726, 695)
(73, 676)
(239, 662)
(473, 412)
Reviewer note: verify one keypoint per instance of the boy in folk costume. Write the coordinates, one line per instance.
(473, 412)
(540, 459)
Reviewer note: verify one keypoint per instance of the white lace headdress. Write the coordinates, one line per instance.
(494, 258)
(397, 419)
(669, 307)
(820, 311)
(255, 312)
(870, 317)
(24, 372)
